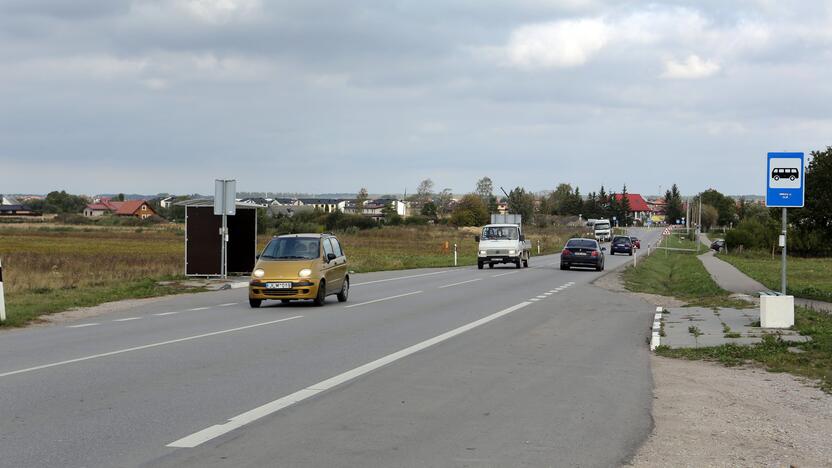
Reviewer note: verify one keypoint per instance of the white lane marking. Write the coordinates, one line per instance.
(228, 305)
(240, 284)
(461, 282)
(147, 346)
(503, 274)
(399, 278)
(383, 299)
(198, 308)
(547, 294)
(162, 314)
(82, 325)
(534, 299)
(127, 319)
(248, 417)
(541, 297)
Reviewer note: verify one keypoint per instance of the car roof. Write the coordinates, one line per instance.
(581, 238)
(310, 235)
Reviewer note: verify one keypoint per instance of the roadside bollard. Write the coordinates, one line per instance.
(455, 256)
(2, 296)
(538, 246)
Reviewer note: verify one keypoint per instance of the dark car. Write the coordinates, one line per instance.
(621, 244)
(636, 242)
(717, 245)
(582, 253)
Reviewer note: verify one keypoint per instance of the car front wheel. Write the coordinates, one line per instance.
(345, 291)
(255, 303)
(321, 297)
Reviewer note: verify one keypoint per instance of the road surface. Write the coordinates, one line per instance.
(440, 367)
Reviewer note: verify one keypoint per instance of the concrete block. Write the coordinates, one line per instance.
(776, 311)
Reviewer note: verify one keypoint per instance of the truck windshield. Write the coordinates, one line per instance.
(602, 226)
(500, 233)
(292, 248)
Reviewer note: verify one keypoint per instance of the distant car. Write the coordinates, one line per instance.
(621, 244)
(582, 252)
(300, 267)
(635, 241)
(718, 244)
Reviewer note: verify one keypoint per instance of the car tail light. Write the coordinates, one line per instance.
(594, 253)
(566, 252)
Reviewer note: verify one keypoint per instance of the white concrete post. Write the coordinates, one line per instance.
(538, 246)
(455, 256)
(2, 296)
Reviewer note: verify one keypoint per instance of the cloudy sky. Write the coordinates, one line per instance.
(154, 96)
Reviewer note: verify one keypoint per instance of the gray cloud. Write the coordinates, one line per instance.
(330, 96)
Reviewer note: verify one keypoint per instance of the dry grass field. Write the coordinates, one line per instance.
(56, 268)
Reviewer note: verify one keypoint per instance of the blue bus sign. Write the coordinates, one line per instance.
(785, 187)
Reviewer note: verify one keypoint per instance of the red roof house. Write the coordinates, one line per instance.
(135, 208)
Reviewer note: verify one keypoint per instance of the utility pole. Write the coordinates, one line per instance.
(783, 266)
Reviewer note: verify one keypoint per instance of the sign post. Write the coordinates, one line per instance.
(785, 188)
(225, 204)
(2, 296)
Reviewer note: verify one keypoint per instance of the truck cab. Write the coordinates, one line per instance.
(502, 243)
(602, 230)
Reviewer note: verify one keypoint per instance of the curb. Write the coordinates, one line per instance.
(655, 340)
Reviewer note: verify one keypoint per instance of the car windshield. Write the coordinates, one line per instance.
(582, 244)
(500, 233)
(622, 240)
(602, 226)
(292, 248)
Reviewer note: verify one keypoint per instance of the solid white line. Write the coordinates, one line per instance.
(457, 284)
(167, 313)
(503, 274)
(198, 308)
(147, 346)
(534, 299)
(228, 305)
(248, 417)
(82, 325)
(541, 297)
(127, 319)
(383, 299)
(399, 278)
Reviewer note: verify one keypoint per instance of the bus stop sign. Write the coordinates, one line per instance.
(785, 187)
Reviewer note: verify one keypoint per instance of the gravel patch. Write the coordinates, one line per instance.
(707, 414)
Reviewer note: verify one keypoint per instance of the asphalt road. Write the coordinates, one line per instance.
(447, 367)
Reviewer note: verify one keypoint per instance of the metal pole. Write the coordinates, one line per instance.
(699, 225)
(2, 296)
(224, 245)
(783, 267)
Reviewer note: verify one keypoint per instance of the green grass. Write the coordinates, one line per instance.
(680, 275)
(810, 278)
(814, 362)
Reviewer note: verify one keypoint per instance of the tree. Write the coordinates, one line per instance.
(424, 193)
(443, 202)
(429, 210)
(725, 206)
(559, 199)
(816, 215)
(522, 203)
(673, 207)
(590, 206)
(120, 197)
(624, 207)
(360, 199)
(575, 204)
(470, 211)
(710, 217)
(485, 189)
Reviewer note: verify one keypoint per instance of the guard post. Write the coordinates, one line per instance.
(2, 295)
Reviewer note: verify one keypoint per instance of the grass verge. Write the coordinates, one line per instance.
(810, 278)
(680, 275)
(812, 359)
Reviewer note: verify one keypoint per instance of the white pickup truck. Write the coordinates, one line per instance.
(601, 229)
(503, 243)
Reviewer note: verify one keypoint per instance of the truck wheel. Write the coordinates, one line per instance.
(479, 265)
(490, 265)
(517, 263)
(526, 263)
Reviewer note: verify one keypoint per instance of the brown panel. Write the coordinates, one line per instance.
(203, 241)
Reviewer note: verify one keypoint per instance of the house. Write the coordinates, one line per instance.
(326, 205)
(640, 210)
(135, 208)
(167, 202)
(10, 206)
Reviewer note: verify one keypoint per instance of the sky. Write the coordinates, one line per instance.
(313, 96)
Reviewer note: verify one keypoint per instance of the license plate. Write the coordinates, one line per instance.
(278, 285)
(580, 254)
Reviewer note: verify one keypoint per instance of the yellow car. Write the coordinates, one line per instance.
(300, 267)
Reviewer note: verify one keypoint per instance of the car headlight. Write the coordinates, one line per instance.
(511, 252)
(482, 252)
(259, 273)
(305, 273)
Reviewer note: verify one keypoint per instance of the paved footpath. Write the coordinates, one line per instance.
(731, 279)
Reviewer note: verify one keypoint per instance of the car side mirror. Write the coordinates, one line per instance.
(330, 257)
(257, 257)
(522, 237)
(476, 239)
